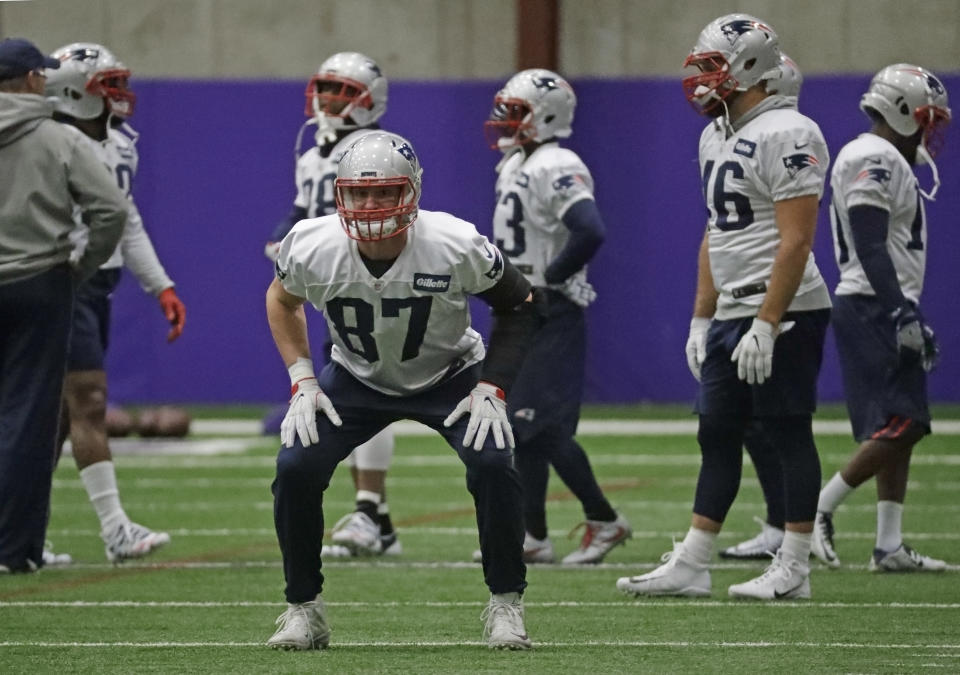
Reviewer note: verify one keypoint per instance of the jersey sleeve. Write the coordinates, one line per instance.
(289, 268)
(565, 183)
(865, 181)
(796, 163)
(302, 200)
(480, 266)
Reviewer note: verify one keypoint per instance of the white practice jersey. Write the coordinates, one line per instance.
(533, 194)
(870, 171)
(403, 332)
(778, 155)
(315, 176)
(118, 152)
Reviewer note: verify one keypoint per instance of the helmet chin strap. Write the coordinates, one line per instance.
(923, 157)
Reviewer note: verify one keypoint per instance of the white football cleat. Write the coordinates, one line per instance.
(821, 543)
(782, 580)
(504, 627)
(334, 551)
(390, 545)
(51, 559)
(302, 626)
(128, 540)
(762, 546)
(679, 575)
(599, 538)
(904, 559)
(358, 533)
(535, 551)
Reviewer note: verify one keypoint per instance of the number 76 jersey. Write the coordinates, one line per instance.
(776, 155)
(406, 330)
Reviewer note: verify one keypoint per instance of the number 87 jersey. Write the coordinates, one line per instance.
(775, 154)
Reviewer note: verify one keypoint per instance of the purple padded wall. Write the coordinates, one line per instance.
(216, 174)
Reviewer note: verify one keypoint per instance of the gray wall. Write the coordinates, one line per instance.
(470, 39)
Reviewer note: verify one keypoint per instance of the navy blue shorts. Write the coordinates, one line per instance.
(884, 397)
(91, 321)
(546, 395)
(792, 387)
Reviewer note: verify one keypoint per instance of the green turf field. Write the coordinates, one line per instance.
(207, 602)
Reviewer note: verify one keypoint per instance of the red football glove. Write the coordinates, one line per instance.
(174, 310)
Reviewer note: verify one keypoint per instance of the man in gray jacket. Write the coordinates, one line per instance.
(45, 169)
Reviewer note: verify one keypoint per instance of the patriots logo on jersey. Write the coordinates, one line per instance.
(566, 182)
(735, 29)
(497, 268)
(876, 173)
(798, 162)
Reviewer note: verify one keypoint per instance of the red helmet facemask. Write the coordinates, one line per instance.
(507, 122)
(113, 86)
(712, 85)
(933, 120)
(335, 96)
(375, 224)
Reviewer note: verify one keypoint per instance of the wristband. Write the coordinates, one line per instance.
(301, 369)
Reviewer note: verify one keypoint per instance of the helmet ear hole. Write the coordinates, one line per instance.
(749, 64)
(548, 119)
(904, 109)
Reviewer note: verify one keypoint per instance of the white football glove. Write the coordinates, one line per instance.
(697, 344)
(754, 353)
(579, 291)
(487, 406)
(301, 418)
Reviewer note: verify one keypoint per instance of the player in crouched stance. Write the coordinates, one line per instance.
(885, 346)
(763, 166)
(395, 300)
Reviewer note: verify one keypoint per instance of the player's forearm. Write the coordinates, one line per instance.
(705, 301)
(288, 325)
(140, 257)
(785, 279)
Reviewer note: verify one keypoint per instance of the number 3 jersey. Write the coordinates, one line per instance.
(776, 154)
(870, 171)
(533, 194)
(403, 332)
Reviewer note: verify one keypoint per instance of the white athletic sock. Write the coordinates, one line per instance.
(368, 496)
(796, 547)
(100, 480)
(383, 509)
(834, 492)
(699, 545)
(889, 519)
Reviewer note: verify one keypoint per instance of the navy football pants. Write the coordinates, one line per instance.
(303, 473)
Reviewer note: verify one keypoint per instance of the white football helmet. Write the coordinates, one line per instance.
(910, 98)
(534, 105)
(89, 80)
(733, 53)
(378, 186)
(349, 90)
(789, 81)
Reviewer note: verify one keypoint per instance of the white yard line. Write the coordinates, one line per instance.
(477, 643)
(587, 427)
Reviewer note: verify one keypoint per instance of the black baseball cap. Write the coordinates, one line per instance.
(19, 56)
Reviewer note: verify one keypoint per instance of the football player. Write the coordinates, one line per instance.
(344, 100)
(884, 342)
(547, 223)
(762, 166)
(92, 94)
(392, 281)
(766, 463)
